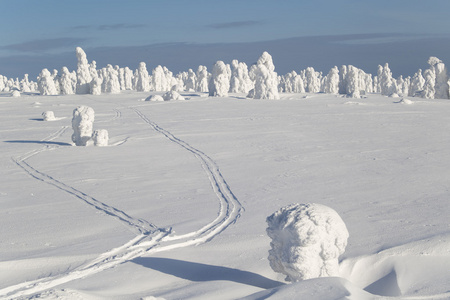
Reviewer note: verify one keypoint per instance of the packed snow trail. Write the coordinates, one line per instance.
(151, 239)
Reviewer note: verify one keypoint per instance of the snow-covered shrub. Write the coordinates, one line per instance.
(83, 72)
(82, 124)
(266, 79)
(142, 78)
(307, 240)
(15, 94)
(219, 83)
(172, 95)
(154, 98)
(202, 79)
(100, 137)
(48, 116)
(46, 84)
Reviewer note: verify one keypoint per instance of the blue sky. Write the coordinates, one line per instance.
(182, 34)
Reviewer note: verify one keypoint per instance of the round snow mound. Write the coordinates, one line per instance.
(100, 137)
(154, 98)
(307, 240)
(48, 116)
(15, 94)
(172, 95)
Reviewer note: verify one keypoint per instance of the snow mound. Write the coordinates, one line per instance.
(15, 94)
(172, 95)
(405, 101)
(154, 98)
(48, 116)
(416, 269)
(307, 240)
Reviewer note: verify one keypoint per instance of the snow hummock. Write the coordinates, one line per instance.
(172, 95)
(100, 137)
(48, 116)
(82, 124)
(307, 240)
(154, 98)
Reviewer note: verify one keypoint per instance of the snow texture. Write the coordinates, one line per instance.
(307, 240)
(82, 124)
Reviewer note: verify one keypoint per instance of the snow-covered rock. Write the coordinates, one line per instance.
(82, 124)
(172, 95)
(307, 240)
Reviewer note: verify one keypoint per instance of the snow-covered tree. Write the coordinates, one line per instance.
(159, 80)
(312, 80)
(191, 80)
(307, 240)
(66, 82)
(441, 86)
(429, 85)
(82, 124)
(219, 83)
(142, 78)
(240, 81)
(128, 77)
(202, 79)
(46, 84)
(388, 85)
(353, 82)
(266, 79)
(417, 83)
(332, 81)
(83, 72)
(111, 80)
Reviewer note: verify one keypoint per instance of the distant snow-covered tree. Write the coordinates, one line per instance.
(219, 83)
(417, 83)
(202, 79)
(353, 82)
(66, 82)
(191, 80)
(312, 80)
(429, 85)
(159, 80)
(388, 85)
(46, 84)
(83, 72)
(128, 78)
(266, 79)
(111, 80)
(332, 81)
(142, 78)
(441, 84)
(240, 81)
(82, 125)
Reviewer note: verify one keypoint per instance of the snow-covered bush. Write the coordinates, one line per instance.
(307, 240)
(219, 83)
(172, 95)
(82, 125)
(83, 72)
(48, 116)
(100, 137)
(266, 79)
(46, 84)
(15, 94)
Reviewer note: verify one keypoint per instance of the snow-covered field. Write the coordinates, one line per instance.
(176, 206)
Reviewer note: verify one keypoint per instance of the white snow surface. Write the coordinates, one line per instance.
(175, 206)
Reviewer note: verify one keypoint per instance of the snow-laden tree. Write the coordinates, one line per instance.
(441, 86)
(96, 85)
(25, 85)
(142, 78)
(111, 80)
(265, 77)
(83, 72)
(56, 78)
(82, 125)
(343, 80)
(312, 80)
(128, 77)
(159, 80)
(46, 84)
(202, 79)
(417, 83)
(429, 91)
(121, 72)
(219, 83)
(388, 85)
(331, 85)
(240, 81)
(353, 82)
(66, 82)
(191, 80)
(306, 241)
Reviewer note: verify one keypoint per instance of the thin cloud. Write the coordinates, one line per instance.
(237, 24)
(104, 27)
(44, 44)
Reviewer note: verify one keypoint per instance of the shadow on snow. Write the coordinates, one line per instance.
(39, 142)
(202, 272)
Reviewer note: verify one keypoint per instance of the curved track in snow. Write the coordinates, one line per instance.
(151, 239)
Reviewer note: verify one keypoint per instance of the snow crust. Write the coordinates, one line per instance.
(307, 240)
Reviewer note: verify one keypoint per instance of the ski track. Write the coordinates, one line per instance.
(151, 239)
